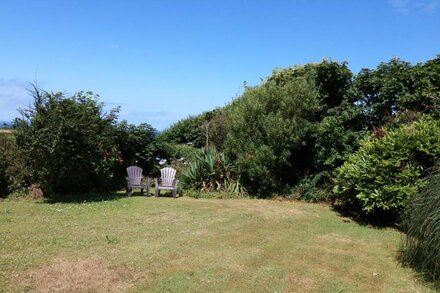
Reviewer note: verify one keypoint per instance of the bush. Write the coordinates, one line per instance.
(4, 180)
(137, 146)
(67, 142)
(268, 129)
(387, 171)
(181, 152)
(421, 222)
(186, 131)
(14, 177)
(313, 188)
(209, 172)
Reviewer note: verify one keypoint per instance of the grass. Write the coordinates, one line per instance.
(140, 244)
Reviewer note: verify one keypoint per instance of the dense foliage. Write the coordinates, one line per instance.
(397, 86)
(194, 130)
(137, 146)
(281, 144)
(421, 222)
(4, 163)
(67, 142)
(267, 133)
(289, 135)
(387, 171)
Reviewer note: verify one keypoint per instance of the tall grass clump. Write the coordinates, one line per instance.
(421, 222)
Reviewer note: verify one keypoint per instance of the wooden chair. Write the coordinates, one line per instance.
(134, 180)
(167, 181)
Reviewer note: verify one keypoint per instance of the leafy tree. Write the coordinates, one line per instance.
(67, 142)
(397, 86)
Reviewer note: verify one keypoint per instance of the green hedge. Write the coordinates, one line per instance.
(387, 171)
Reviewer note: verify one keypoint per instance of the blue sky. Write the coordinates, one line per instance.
(163, 60)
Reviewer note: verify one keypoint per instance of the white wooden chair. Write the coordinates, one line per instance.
(134, 180)
(167, 181)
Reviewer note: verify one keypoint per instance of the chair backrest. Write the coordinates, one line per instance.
(167, 176)
(134, 175)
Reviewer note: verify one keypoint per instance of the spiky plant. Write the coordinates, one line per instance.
(210, 171)
(421, 222)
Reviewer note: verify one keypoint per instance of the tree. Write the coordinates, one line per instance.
(397, 86)
(67, 142)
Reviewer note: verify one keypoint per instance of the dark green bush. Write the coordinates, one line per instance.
(313, 188)
(137, 146)
(389, 167)
(14, 177)
(267, 134)
(67, 143)
(181, 152)
(4, 179)
(421, 223)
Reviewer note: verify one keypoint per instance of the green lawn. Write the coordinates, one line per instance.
(160, 244)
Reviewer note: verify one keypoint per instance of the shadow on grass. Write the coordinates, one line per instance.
(99, 197)
(377, 220)
(86, 197)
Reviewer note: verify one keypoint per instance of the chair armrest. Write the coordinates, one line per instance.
(156, 182)
(176, 183)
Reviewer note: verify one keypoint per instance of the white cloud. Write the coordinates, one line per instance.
(430, 6)
(13, 95)
(406, 7)
(401, 6)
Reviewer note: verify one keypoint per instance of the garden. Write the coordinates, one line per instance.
(316, 179)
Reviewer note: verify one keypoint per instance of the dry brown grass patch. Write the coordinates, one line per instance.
(86, 275)
(265, 208)
(295, 283)
(333, 237)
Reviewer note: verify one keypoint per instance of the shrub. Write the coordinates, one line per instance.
(387, 171)
(67, 142)
(268, 129)
(181, 152)
(210, 171)
(313, 188)
(421, 222)
(14, 177)
(4, 180)
(137, 146)
(186, 131)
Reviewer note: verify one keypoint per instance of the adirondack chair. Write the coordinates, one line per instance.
(134, 180)
(167, 181)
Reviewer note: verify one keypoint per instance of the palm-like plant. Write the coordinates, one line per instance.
(210, 171)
